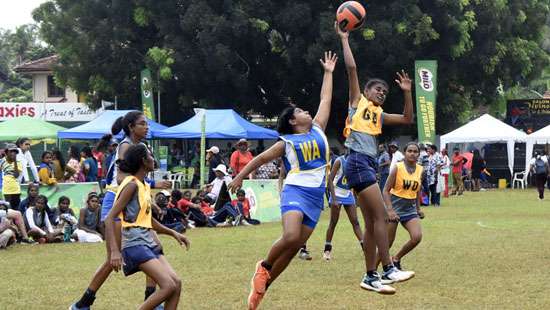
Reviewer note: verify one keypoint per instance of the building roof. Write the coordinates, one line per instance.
(39, 65)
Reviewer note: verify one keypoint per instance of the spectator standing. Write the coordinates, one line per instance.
(58, 165)
(540, 169)
(478, 165)
(11, 170)
(25, 157)
(45, 171)
(395, 154)
(445, 171)
(241, 157)
(458, 164)
(267, 171)
(435, 162)
(89, 164)
(384, 162)
(74, 165)
(214, 159)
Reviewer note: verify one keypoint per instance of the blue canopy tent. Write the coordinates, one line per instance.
(101, 125)
(220, 124)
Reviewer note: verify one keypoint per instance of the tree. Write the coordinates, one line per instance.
(17, 47)
(253, 54)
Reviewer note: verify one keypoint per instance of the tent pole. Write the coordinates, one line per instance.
(203, 148)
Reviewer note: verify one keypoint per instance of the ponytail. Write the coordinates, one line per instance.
(124, 123)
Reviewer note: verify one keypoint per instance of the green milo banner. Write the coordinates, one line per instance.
(426, 92)
(147, 94)
(77, 193)
(264, 199)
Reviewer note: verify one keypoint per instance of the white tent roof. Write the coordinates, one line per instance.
(487, 129)
(541, 136)
(484, 129)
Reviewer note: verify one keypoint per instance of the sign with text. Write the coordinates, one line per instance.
(147, 94)
(426, 92)
(49, 111)
(528, 115)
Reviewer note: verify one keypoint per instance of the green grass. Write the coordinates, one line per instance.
(487, 250)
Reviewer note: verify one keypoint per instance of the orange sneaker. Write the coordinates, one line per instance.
(258, 286)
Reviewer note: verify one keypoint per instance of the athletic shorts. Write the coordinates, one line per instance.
(405, 208)
(307, 200)
(107, 205)
(360, 171)
(137, 255)
(346, 201)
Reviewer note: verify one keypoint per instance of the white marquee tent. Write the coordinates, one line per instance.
(541, 136)
(487, 129)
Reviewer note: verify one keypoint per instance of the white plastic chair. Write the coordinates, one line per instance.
(176, 178)
(521, 178)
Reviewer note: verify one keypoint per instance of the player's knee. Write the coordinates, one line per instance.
(416, 238)
(292, 240)
(333, 223)
(177, 282)
(169, 285)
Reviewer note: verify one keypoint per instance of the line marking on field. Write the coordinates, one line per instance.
(480, 224)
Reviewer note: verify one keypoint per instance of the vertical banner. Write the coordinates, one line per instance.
(426, 92)
(147, 94)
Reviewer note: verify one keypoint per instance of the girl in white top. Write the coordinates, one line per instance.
(25, 157)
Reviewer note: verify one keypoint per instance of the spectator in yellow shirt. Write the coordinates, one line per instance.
(45, 172)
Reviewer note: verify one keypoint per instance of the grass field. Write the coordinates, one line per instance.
(485, 250)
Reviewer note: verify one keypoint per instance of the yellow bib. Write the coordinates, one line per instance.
(367, 119)
(407, 185)
(144, 199)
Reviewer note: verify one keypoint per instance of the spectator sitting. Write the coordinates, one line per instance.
(215, 186)
(16, 218)
(38, 224)
(32, 192)
(242, 204)
(7, 232)
(89, 228)
(89, 165)
(172, 218)
(64, 217)
(45, 171)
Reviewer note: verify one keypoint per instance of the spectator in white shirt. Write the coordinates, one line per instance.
(38, 223)
(215, 186)
(396, 155)
(24, 156)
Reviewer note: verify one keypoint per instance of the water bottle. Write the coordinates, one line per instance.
(67, 231)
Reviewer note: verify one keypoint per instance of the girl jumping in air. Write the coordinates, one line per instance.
(365, 124)
(305, 151)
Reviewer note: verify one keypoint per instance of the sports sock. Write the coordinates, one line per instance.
(266, 265)
(328, 246)
(371, 273)
(388, 267)
(149, 290)
(87, 299)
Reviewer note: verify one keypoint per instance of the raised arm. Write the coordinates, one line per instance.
(323, 113)
(351, 67)
(275, 151)
(406, 118)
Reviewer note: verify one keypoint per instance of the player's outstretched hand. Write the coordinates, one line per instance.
(421, 214)
(235, 185)
(116, 260)
(343, 34)
(182, 240)
(329, 62)
(404, 81)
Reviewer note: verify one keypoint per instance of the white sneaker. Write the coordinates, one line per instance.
(327, 256)
(374, 284)
(395, 275)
